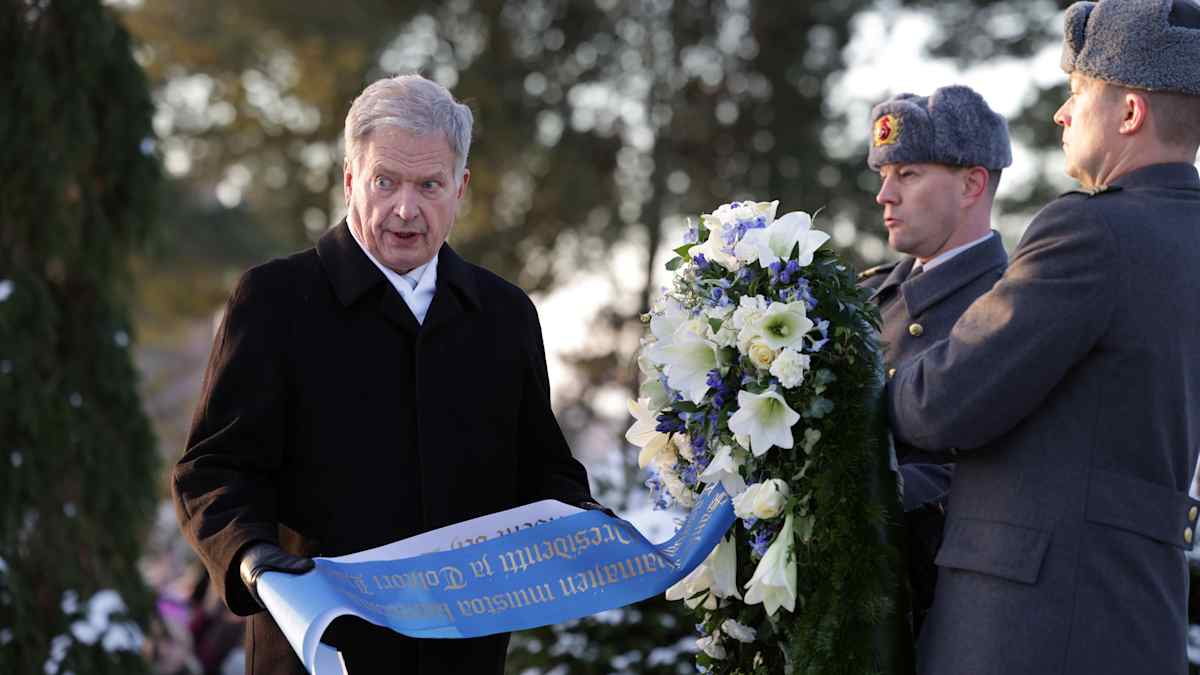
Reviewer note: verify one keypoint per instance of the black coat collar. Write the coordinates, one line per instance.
(352, 273)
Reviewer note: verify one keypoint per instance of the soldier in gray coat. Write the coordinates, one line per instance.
(1070, 393)
(939, 158)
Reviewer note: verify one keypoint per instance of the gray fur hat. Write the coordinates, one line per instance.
(953, 125)
(1143, 44)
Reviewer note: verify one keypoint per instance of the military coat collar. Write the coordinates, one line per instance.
(353, 275)
(931, 286)
(1179, 176)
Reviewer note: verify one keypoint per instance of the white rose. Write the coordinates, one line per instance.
(760, 353)
(712, 646)
(738, 631)
(720, 313)
(677, 488)
(790, 367)
(762, 500)
(749, 308)
(683, 444)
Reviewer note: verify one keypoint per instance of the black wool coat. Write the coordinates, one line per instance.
(331, 422)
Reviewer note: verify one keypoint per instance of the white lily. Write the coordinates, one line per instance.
(652, 389)
(643, 434)
(722, 563)
(717, 575)
(691, 588)
(775, 242)
(763, 420)
(774, 580)
(723, 469)
(666, 320)
(687, 361)
(784, 324)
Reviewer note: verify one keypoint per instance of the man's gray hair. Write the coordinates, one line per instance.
(415, 104)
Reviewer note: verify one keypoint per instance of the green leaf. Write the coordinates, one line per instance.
(674, 264)
(819, 408)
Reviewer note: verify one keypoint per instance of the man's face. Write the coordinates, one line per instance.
(401, 197)
(921, 207)
(1090, 118)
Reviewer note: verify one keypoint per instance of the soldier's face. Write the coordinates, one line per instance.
(401, 196)
(1090, 118)
(922, 207)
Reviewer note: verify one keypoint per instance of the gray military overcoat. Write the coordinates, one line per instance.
(918, 312)
(1072, 393)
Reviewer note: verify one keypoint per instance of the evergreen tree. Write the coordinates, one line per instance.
(78, 186)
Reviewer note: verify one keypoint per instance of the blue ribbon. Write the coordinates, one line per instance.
(565, 569)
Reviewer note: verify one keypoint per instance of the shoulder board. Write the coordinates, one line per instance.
(878, 269)
(1092, 192)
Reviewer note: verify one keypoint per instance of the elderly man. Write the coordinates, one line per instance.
(939, 159)
(1070, 393)
(369, 389)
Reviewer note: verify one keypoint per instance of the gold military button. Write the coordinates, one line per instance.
(892, 373)
(916, 330)
(1187, 535)
(1192, 513)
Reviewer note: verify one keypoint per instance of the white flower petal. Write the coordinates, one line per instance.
(764, 420)
(774, 580)
(738, 631)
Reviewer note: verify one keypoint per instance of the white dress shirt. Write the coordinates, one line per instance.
(934, 262)
(415, 286)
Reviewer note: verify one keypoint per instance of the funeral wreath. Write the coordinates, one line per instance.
(762, 374)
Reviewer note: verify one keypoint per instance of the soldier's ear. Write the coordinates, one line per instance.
(974, 184)
(1135, 109)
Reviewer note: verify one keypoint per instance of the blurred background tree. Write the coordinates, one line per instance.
(601, 125)
(79, 469)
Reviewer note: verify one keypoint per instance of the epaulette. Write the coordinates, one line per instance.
(1092, 191)
(878, 269)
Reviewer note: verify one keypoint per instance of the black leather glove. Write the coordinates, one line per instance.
(267, 557)
(595, 506)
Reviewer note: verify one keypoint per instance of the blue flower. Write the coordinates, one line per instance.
(714, 378)
(701, 262)
(761, 542)
(658, 493)
(717, 295)
(823, 328)
(688, 475)
(668, 422)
